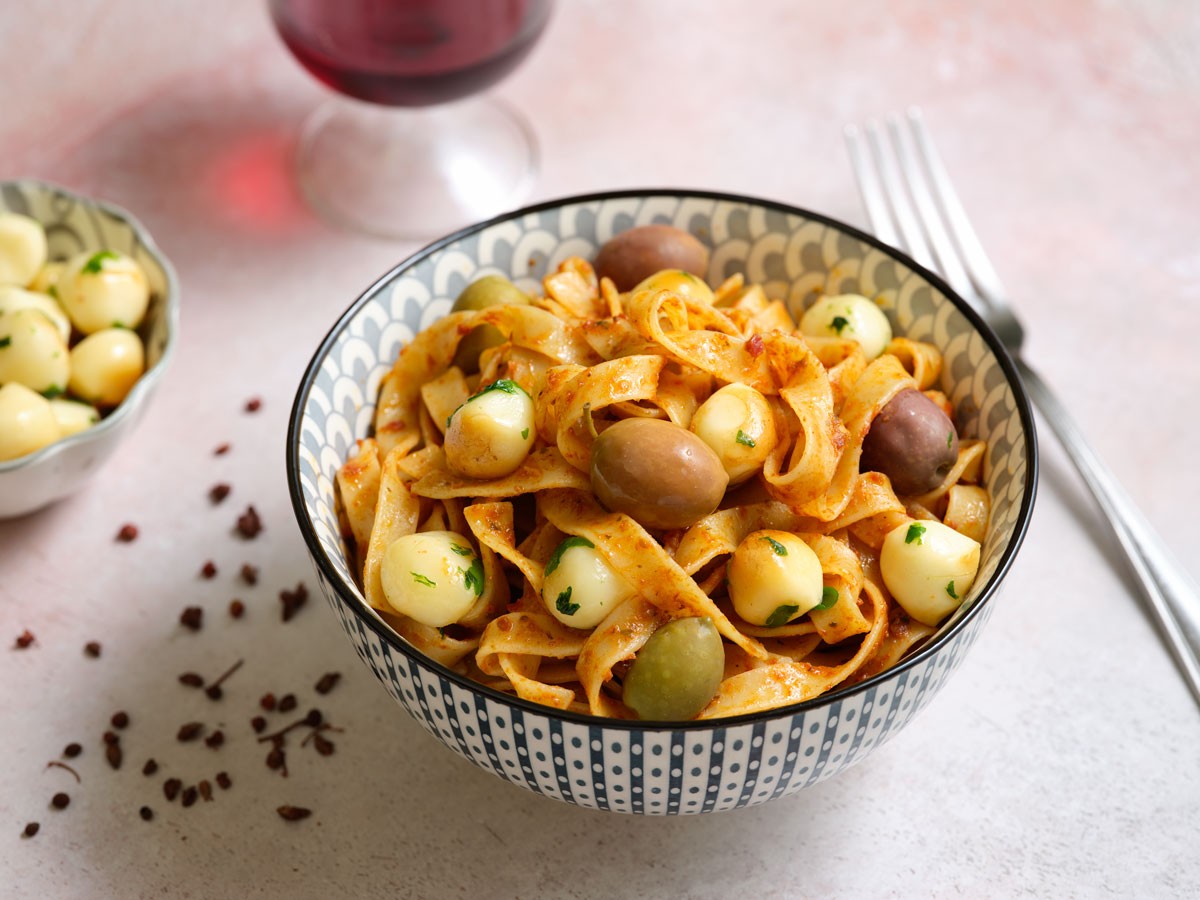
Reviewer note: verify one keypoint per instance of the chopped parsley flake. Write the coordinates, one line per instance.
(5, 341)
(53, 391)
(839, 323)
(564, 605)
(949, 440)
(96, 261)
(524, 434)
(421, 579)
(572, 541)
(779, 549)
(950, 590)
(744, 439)
(119, 325)
(507, 385)
(829, 596)
(52, 291)
(472, 577)
(915, 531)
(461, 551)
(781, 615)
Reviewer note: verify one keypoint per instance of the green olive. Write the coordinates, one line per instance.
(911, 441)
(659, 474)
(485, 292)
(634, 255)
(677, 672)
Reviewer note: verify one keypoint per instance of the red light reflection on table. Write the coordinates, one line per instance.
(252, 181)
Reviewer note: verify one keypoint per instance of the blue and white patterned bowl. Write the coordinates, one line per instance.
(631, 767)
(73, 224)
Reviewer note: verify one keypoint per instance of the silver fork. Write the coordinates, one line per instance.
(912, 205)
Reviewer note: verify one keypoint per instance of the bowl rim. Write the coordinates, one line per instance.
(328, 572)
(150, 378)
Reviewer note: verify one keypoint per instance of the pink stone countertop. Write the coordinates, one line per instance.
(1062, 760)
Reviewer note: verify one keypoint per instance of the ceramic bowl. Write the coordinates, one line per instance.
(75, 223)
(692, 767)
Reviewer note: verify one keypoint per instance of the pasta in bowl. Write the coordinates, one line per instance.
(647, 509)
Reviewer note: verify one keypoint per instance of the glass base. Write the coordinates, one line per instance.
(415, 173)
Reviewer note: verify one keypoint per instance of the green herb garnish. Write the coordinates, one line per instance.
(838, 323)
(781, 615)
(461, 551)
(473, 577)
(564, 605)
(421, 579)
(572, 541)
(524, 434)
(53, 391)
(950, 590)
(53, 291)
(829, 596)
(779, 549)
(120, 325)
(949, 440)
(96, 261)
(915, 530)
(507, 385)
(744, 439)
(5, 341)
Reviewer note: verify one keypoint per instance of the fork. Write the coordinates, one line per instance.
(912, 204)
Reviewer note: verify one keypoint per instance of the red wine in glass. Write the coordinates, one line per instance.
(416, 158)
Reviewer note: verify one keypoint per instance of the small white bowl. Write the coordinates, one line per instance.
(73, 224)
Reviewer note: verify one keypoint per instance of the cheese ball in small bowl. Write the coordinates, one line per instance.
(89, 310)
(631, 551)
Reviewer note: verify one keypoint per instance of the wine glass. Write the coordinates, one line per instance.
(409, 151)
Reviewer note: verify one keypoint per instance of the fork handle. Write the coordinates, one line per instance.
(1171, 594)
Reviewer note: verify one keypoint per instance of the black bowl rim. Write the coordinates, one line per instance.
(695, 725)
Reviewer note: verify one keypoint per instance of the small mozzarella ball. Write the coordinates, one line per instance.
(680, 282)
(73, 416)
(106, 365)
(103, 290)
(26, 421)
(928, 567)
(46, 280)
(849, 316)
(580, 587)
(13, 298)
(774, 577)
(22, 248)
(738, 424)
(434, 577)
(32, 352)
(490, 435)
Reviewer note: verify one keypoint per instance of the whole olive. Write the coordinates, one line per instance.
(677, 672)
(912, 442)
(490, 290)
(634, 255)
(659, 474)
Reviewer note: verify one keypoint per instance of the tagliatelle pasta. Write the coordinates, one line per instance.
(552, 577)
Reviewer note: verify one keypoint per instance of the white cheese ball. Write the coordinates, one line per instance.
(106, 365)
(737, 423)
(850, 316)
(434, 577)
(32, 352)
(693, 287)
(22, 248)
(490, 435)
(928, 567)
(73, 416)
(26, 421)
(774, 578)
(13, 298)
(103, 289)
(580, 587)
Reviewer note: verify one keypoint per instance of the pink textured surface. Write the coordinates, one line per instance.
(1060, 761)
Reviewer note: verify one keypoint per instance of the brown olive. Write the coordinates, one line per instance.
(490, 290)
(634, 255)
(912, 442)
(677, 672)
(659, 474)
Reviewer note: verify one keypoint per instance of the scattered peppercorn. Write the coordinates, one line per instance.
(146, 813)
(221, 450)
(31, 829)
(189, 731)
(214, 690)
(249, 574)
(249, 524)
(328, 682)
(150, 767)
(314, 718)
(218, 492)
(60, 800)
(267, 701)
(254, 404)
(24, 639)
(209, 569)
(293, 601)
(223, 781)
(323, 745)
(171, 788)
(112, 752)
(120, 719)
(72, 750)
(128, 532)
(205, 791)
(189, 796)
(258, 723)
(92, 649)
(293, 813)
(287, 702)
(110, 737)
(216, 739)
(191, 679)
(237, 608)
(192, 617)
(276, 759)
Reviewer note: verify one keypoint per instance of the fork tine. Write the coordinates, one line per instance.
(897, 196)
(979, 267)
(869, 187)
(927, 211)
